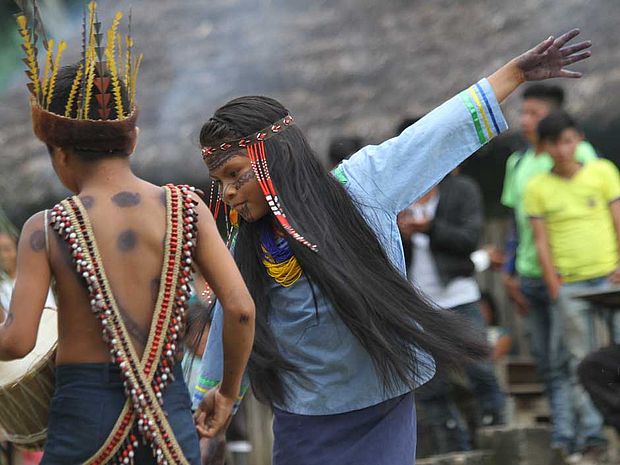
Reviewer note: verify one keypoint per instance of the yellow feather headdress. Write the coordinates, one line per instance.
(102, 72)
(95, 116)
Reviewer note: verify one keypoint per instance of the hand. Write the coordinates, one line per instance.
(548, 59)
(214, 414)
(408, 225)
(496, 256)
(402, 220)
(553, 287)
(614, 278)
(513, 289)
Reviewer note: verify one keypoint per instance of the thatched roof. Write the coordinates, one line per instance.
(341, 66)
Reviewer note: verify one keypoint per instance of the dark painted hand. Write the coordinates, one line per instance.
(548, 59)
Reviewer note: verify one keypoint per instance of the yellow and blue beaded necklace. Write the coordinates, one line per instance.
(278, 258)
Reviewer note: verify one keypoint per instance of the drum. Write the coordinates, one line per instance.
(26, 389)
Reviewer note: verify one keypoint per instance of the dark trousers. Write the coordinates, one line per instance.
(86, 404)
(599, 374)
(441, 426)
(481, 374)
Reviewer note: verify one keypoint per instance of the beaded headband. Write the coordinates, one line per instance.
(102, 72)
(254, 146)
(214, 156)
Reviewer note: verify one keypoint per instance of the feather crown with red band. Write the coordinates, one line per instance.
(99, 113)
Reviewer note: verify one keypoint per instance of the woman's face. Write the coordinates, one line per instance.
(240, 189)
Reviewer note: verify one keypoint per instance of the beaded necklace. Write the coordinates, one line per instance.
(278, 258)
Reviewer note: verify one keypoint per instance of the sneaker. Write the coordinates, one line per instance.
(492, 419)
(561, 456)
(574, 459)
(596, 455)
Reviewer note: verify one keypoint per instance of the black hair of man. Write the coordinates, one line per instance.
(553, 125)
(342, 148)
(546, 92)
(62, 91)
(405, 123)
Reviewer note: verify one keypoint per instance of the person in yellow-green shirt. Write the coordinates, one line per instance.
(539, 100)
(522, 275)
(575, 214)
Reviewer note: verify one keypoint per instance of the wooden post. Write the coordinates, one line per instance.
(259, 420)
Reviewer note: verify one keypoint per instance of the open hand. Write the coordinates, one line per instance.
(553, 287)
(513, 289)
(496, 256)
(214, 414)
(548, 59)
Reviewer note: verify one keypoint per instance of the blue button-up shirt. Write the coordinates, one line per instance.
(338, 373)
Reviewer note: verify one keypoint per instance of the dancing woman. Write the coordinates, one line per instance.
(342, 338)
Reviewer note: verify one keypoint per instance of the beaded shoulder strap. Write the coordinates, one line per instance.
(146, 378)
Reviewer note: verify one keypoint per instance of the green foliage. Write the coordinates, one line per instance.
(6, 226)
(10, 53)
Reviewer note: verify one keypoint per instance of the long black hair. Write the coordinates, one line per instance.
(351, 268)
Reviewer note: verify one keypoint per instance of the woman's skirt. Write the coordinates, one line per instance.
(384, 434)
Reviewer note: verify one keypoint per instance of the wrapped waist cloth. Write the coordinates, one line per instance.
(88, 400)
(384, 434)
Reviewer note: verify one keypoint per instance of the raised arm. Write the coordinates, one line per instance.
(219, 269)
(394, 174)
(18, 331)
(545, 61)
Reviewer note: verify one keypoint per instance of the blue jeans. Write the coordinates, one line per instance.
(572, 338)
(86, 404)
(538, 328)
(614, 324)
